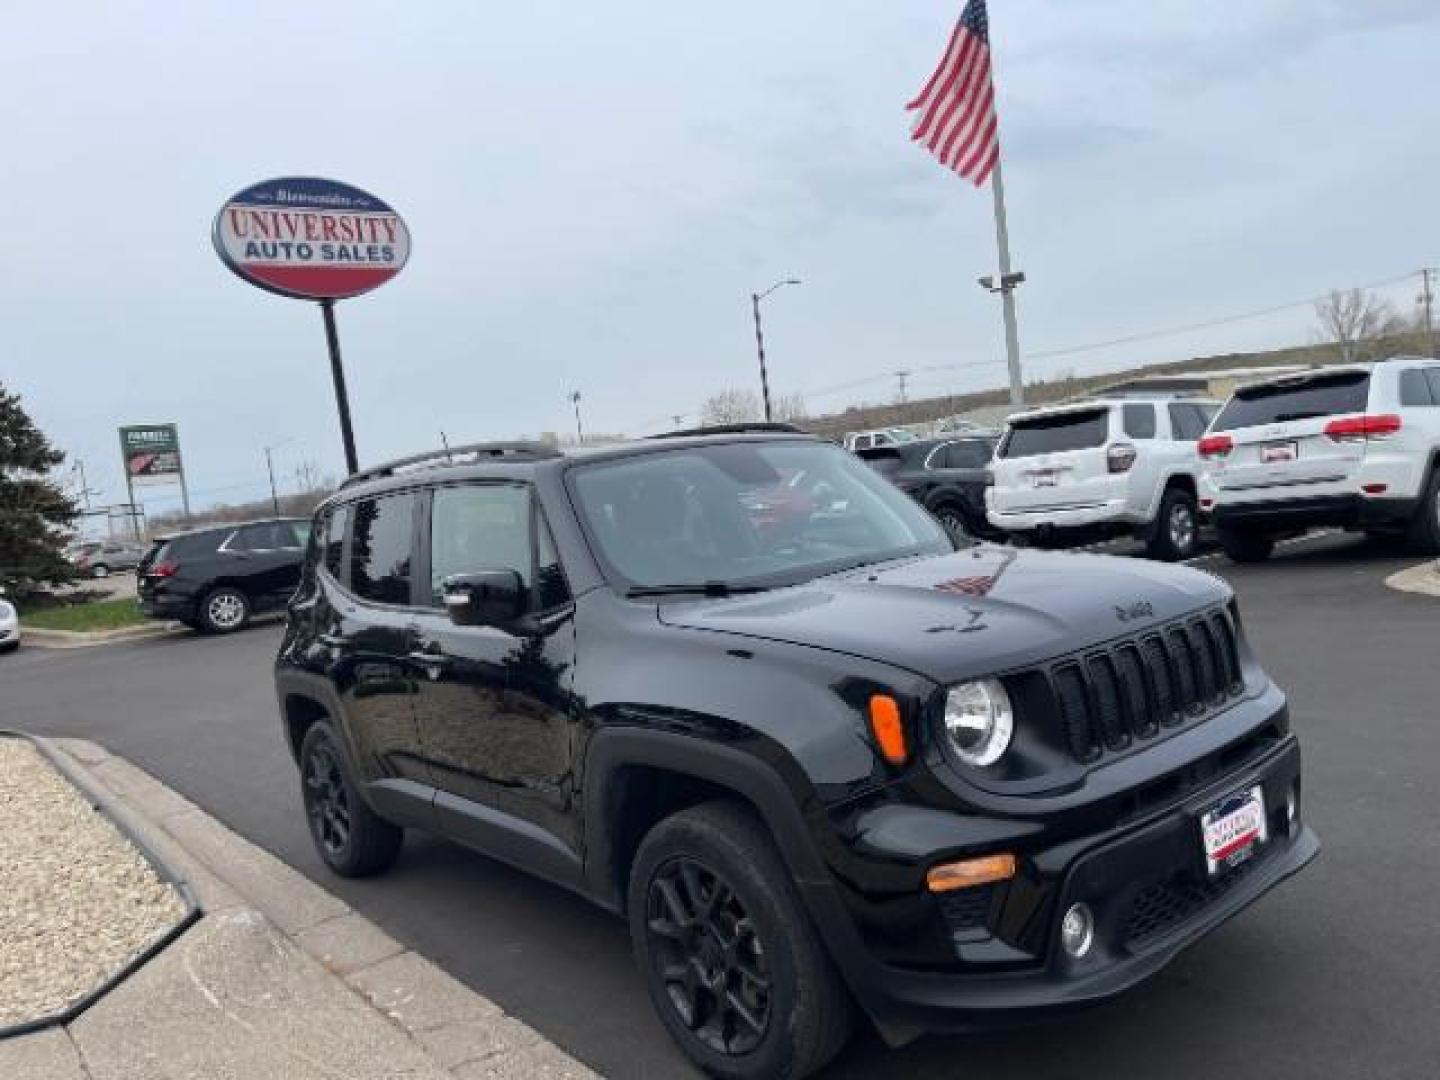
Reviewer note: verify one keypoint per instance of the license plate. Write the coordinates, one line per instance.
(1233, 830)
(1282, 451)
(1043, 479)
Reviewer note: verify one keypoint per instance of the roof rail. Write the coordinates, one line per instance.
(748, 428)
(508, 451)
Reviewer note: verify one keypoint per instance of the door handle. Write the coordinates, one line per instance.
(430, 657)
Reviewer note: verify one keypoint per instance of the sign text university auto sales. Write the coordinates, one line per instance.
(311, 239)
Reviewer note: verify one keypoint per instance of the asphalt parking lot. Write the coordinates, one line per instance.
(1337, 974)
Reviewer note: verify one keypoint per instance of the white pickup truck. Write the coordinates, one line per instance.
(1103, 467)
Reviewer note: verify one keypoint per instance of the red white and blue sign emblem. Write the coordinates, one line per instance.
(310, 238)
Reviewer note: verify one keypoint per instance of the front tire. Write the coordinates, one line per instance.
(350, 837)
(1176, 532)
(733, 966)
(224, 610)
(952, 520)
(1246, 547)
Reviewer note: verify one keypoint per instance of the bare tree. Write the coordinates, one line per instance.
(1356, 320)
(730, 407)
(789, 408)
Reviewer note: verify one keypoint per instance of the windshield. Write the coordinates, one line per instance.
(738, 514)
(1056, 432)
(1299, 399)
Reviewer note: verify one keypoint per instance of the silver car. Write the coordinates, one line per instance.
(9, 626)
(103, 558)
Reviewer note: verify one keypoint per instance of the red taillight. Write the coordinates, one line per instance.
(1363, 427)
(1120, 457)
(163, 569)
(1216, 445)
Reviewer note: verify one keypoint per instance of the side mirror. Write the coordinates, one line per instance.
(487, 598)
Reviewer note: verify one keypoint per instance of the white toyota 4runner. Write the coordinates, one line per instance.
(1109, 466)
(1351, 446)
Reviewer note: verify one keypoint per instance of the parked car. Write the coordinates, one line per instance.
(1125, 465)
(1354, 446)
(947, 476)
(100, 559)
(214, 579)
(828, 765)
(864, 440)
(9, 625)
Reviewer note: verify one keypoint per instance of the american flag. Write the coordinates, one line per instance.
(955, 112)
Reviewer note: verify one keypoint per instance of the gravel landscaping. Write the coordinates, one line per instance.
(77, 901)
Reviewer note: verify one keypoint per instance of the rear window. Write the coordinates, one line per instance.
(1056, 432)
(1275, 403)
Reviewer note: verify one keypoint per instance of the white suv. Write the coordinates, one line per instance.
(1351, 446)
(1121, 465)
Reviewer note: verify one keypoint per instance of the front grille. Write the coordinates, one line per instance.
(1169, 904)
(1132, 689)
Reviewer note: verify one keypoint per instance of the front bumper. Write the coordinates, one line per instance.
(1146, 885)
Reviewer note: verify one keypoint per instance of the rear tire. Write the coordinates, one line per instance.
(351, 838)
(224, 610)
(1423, 535)
(734, 968)
(1176, 531)
(1246, 547)
(952, 520)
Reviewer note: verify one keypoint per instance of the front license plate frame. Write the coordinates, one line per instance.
(1233, 830)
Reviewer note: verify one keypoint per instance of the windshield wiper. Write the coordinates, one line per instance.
(705, 588)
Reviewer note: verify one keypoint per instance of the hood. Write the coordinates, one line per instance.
(975, 612)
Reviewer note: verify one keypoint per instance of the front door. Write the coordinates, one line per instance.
(266, 559)
(494, 703)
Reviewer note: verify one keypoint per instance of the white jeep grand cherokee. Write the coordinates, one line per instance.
(1352, 446)
(1114, 465)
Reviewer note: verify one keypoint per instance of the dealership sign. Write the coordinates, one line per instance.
(310, 238)
(151, 453)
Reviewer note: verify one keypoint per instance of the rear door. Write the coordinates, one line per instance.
(1054, 460)
(1278, 434)
(267, 560)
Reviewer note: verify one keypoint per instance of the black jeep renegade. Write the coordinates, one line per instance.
(737, 687)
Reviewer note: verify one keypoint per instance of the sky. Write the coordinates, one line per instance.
(594, 191)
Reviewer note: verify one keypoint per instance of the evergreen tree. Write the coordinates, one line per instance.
(34, 509)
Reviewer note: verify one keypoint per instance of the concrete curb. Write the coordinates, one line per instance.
(456, 1031)
(77, 639)
(1423, 579)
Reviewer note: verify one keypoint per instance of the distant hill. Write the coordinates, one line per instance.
(993, 402)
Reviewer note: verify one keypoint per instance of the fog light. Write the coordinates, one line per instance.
(1077, 931)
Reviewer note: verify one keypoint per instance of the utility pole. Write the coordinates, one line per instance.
(755, 299)
(579, 431)
(902, 376)
(84, 487)
(270, 468)
(1427, 299)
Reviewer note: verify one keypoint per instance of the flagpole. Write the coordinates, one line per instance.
(1006, 290)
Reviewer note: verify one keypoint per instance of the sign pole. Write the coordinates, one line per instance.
(342, 399)
(134, 517)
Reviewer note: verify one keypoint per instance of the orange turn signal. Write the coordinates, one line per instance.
(968, 872)
(889, 732)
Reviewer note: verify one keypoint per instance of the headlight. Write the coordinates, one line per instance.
(979, 721)
(7, 611)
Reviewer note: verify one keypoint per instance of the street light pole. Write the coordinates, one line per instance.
(755, 299)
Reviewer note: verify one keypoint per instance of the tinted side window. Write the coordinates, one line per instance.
(380, 556)
(332, 541)
(263, 537)
(1139, 420)
(479, 527)
(967, 454)
(1415, 390)
(1432, 376)
(1187, 422)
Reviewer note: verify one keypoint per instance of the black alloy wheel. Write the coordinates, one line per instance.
(326, 801)
(707, 951)
(352, 839)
